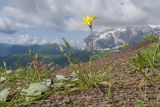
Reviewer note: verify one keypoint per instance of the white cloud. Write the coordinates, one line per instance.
(66, 14)
(151, 8)
(28, 40)
(22, 39)
(5, 25)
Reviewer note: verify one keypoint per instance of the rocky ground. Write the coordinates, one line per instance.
(125, 90)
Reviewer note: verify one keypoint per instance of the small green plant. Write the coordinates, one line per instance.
(141, 104)
(85, 78)
(37, 67)
(143, 89)
(145, 62)
(110, 90)
(158, 98)
(125, 46)
(24, 85)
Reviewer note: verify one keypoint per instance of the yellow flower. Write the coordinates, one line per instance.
(88, 20)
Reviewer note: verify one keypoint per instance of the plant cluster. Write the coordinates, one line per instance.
(24, 86)
(147, 62)
(85, 78)
(150, 38)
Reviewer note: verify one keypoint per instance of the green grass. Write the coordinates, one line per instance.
(146, 61)
(150, 38)
(86, 78)
(19, 79)
(101, 53)
(24, 86)
(35, 82)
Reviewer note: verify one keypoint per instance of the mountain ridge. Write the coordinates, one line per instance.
(116, 38)
(19, 55)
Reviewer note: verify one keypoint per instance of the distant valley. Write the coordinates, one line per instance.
(18, 55)
(111, 39)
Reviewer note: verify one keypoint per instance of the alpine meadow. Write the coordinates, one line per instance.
(79, 53)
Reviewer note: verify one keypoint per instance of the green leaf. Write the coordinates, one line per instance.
(31, 95)
(66, 43)
(60, 77)
(58, 85)
(8, 71)
(2, 79)
(34, 90)
(61, 49)
(4, 94)
(38, 87)
(72, 83)
(47, 82)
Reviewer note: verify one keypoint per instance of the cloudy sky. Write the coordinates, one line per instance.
(43, 21)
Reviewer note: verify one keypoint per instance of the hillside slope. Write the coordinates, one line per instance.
(18, 55)
(125, 90)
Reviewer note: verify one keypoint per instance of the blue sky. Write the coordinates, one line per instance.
(46, 21)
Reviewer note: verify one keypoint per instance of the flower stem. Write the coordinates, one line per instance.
(92, 48)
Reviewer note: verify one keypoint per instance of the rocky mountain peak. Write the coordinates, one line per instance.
(118, 37)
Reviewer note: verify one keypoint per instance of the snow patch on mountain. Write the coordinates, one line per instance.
(154, 26)
(118, 37)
